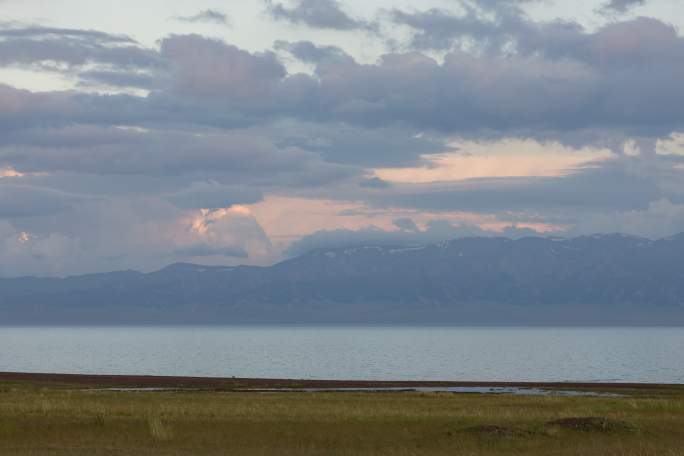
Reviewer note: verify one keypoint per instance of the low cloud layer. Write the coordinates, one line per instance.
(407, 234)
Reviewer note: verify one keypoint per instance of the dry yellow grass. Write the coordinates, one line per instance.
(46, 421)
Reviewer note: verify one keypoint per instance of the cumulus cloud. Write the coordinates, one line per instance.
(132, 233)
(512, 33)
(207, 67)
(232, 227)
(548, 89)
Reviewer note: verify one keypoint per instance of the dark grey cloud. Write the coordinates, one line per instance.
(406, 224)
(309, 52)
(511, 32)
(374, 182)
(48, 47)
(205, 250)
(439, 29)
(614, 47)
(211, 195)
(208, 15)
(232, 157)
(26, 201)
(622, 6)
(585, 81)
(490, 24)
(325, 14)
(625, 184)
(160, 153)
(11, 31)
(339, 142)
(211, 68)
(513, 96)
(119, 79)
(436, 231)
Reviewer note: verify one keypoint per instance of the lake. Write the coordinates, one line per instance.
(654, 355)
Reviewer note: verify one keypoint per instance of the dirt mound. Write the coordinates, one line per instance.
(487, 430)
(592, 424)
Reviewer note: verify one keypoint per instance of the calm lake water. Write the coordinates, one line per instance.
(373, 353)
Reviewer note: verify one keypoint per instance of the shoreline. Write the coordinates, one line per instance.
(237, 384)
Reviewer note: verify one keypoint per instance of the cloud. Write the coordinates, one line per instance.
(59, 49)
(566, 88)
(548, 89)
(609, 185)
(26, 201)
(374, 182)
(205, 250)
(408, 235)
(24, 254)
(507, 32)
(662, 218)
(438, 29)
(406, 224)
(132, 233)
(309, 52)
(8, 31)
(238, 156)
(339, 142)
(118, 79)
(220, 128)
(208, 67)
(324, 14)
(232, 227)
(206, 16)
(211, 195)
(621, 6)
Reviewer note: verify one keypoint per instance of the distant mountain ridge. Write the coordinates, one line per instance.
(598, 279)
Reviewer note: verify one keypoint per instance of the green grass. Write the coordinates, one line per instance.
(38, 420)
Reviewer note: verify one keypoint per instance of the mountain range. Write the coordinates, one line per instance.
(610, 279)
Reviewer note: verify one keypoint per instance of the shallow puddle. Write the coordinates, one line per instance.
(517, 391)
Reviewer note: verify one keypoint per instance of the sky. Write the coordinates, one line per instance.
(138, 134)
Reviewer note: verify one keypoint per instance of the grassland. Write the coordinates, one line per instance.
(59, 418)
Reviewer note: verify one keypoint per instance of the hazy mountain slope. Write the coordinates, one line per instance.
(590, 279)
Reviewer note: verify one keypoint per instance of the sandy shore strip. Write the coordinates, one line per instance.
(88, 381)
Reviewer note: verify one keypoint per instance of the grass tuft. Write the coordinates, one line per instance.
(159, 430)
